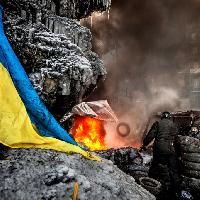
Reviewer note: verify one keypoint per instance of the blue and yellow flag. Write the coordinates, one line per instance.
(25, 122)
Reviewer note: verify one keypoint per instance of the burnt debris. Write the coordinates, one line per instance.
(129, 160)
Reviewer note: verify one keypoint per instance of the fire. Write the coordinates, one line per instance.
(90, 132)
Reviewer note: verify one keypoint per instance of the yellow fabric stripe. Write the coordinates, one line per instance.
(75, 195)
(16, 130)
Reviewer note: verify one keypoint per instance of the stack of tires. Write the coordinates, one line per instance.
(189, 148)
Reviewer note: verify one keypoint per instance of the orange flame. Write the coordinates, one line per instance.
(90, 132)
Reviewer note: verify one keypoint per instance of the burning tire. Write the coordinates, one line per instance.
(191, 157)
(192, 183)
(192, 173)
(151, 185)
(127, 129)
(191, 165)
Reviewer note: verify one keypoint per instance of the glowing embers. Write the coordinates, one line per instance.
(90, 132)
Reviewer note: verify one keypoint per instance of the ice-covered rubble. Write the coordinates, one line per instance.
(55, 50)
(42, 174)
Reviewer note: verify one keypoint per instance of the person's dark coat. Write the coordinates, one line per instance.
(164, 132)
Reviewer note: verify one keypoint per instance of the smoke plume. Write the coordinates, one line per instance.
(145, 45)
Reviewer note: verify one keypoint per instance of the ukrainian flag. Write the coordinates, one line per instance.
(25, 122)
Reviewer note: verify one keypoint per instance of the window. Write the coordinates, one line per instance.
(195, 83)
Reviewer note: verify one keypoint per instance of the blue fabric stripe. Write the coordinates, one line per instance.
(42, 118)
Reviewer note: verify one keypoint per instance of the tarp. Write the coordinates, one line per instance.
(100, 110)
(40, 116)
(24, 119)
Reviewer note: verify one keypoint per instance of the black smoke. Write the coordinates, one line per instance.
(147, 46)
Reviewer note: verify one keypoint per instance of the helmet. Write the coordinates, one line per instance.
(166, 115)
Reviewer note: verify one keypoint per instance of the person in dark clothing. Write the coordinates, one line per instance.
(164, 133)
(194, 131)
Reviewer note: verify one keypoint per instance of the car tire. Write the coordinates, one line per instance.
(150, 184)
(192, 183)
(126, 126)
(191, 173)
(191, 157)
(188, 144)
(191, 165)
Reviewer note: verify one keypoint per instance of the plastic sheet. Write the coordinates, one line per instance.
(97, 109)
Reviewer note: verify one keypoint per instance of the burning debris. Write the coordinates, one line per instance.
(88, 123)
(89, 132)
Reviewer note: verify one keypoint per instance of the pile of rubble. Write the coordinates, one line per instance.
(136, 164)
(129, 160)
